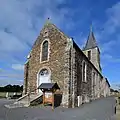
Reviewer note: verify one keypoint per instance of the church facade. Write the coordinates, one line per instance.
(56, 58)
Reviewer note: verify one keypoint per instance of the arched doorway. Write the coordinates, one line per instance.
(44, 76)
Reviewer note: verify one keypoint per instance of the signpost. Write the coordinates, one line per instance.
(48, 90)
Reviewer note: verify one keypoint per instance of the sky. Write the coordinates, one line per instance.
(22, 20)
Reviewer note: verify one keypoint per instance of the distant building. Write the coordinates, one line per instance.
(56, 57)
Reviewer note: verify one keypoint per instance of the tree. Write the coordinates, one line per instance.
(11, 88)
(118, 86)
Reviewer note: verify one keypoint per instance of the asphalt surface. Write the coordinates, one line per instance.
(103, 109)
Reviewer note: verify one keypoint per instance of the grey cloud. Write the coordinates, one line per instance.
(21, 17)
(109, 35)
(11, 75)
(107, 46)
(4, 82)
(9, 42)
(20, 24)
(109, 58)
(17, 66)
(113, 20)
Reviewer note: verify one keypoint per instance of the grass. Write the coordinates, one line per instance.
(3, 94)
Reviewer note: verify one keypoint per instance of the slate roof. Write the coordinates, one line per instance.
(91, 42)
(48, 86)
(107, 82)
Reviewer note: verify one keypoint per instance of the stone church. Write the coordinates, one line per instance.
(56, 58)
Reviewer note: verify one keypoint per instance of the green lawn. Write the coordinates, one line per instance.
(3, 94)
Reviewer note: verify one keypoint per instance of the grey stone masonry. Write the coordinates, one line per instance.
(79, 78)
(58, 63)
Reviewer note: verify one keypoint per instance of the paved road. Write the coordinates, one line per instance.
(98, 110)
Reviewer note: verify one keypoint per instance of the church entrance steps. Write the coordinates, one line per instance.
(36, 99)
(14, 105)
(27, 100)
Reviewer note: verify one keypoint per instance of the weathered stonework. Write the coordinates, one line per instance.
(95, 57)
(65, 64)
(58, 62)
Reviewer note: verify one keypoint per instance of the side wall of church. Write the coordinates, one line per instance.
(84, 91)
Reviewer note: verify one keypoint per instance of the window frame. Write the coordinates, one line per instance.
(48, 51)
(89, 54)
(84, 72)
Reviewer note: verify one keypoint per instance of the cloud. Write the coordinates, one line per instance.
(107, 46)
(22, 20)
(4, 82)
(17, 66)
(11, 76)
(81, 43)
(116, 85)
(113, 18)
(112, 22)
(109, 35)
(109, 58)
(1, 69)
(20, 24)
(10, 43)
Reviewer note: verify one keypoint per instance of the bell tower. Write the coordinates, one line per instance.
(92, 51)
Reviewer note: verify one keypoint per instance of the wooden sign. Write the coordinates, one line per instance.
(48, 90)
(48, 97)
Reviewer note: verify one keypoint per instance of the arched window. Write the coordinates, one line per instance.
(44, 76)
(84, 72)
(44, 72)
(44, 51)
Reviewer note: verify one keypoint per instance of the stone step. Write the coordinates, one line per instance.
(37, 100)
(35, 96)
(25, 101)
(14, 105)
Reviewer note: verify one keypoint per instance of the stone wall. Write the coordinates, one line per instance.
(81, 88)
(89, 89)
(105, 88)
(58, 62)
(25, 84)
(65, 63)
(95, 57)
